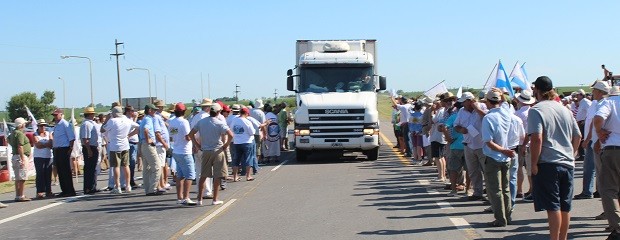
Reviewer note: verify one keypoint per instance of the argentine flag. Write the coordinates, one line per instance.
(502, 80)
(519, 77)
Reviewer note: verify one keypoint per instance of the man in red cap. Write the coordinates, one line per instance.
(182, 154)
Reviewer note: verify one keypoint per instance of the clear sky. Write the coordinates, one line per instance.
(252, 43)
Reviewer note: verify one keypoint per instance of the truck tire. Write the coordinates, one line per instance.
(301, 155)
(372, 154)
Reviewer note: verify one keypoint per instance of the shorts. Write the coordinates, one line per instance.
(185, 168)
(242, 155)
(456, 160)
(120, 158)
(19, 171)
(283, 132)
(416, 139)
(213, 164)
(553, 188)
(404, 130)
(161, 155)
(437, 149)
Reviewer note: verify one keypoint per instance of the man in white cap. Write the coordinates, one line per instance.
(21, 154)
(257, 113)
(524, 103)
(205, 106)
(469, 123)
(119, 128)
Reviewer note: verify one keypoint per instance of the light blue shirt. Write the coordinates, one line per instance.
(90, 132)
(63, 134)
(160, 126)
(147, 122)
(495, 127)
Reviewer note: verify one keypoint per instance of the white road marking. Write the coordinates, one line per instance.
(462, 224)
(424, 182)
(208, 218)
(276, 168)
(444, 205)
(432, 191)
(36, 210)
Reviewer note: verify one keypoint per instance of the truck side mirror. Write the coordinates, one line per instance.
(382, 83)
(289, 83)
(289, 72)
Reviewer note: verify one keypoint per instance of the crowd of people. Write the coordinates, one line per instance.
(175, 146)
(492, 143)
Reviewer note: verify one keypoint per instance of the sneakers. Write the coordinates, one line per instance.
(167, 187)
(180, 201)
(128, 189)
(519, 195)
(596, 195)
(208, 196)
(2, 205)
(218, 202)
(189, 202)
(116, 191)
(453, 193)
(582, 196)
(475, 198)
(528, 198)
(199, 203)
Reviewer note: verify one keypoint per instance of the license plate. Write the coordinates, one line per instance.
(336, 144)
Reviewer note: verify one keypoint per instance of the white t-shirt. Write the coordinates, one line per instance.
(243, 130)
(590, 115)
(179, 128)
(404, 112)
(117, 129)
(230, 119)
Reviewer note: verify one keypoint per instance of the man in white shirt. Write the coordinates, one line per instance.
(581, 115)
(257, 113)
(403, 106)
(119, 128)
(182, 154)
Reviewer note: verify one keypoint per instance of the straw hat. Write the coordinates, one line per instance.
(41, 122)
(615, 90)
(89, 110)
(159, 103)
(525, 97)
(207, 102)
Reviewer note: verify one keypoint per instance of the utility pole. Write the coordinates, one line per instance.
(118, 70)
(275, 95)
(202, 87)
(165, 91)
(209, 84)
(237, 92)
(155, 85)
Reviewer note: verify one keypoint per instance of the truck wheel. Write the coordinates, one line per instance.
(301, 155)
(373, 154)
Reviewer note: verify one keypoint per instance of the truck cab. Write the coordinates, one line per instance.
(336, 85)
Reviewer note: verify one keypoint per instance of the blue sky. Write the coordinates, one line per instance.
(252, 43)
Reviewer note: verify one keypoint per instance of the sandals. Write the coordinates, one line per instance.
(238, 179)
(250, 179)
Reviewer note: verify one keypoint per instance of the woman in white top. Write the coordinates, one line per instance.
(43, 160)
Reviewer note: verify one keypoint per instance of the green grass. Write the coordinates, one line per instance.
(9, 186)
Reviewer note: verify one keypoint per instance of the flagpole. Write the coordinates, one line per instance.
(513, 70)
(485, 83)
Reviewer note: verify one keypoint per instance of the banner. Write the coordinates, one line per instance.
(440, 88)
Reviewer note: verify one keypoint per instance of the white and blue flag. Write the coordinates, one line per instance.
(519, 77)
(502, 80)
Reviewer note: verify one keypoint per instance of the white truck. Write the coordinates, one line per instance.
(336, 85)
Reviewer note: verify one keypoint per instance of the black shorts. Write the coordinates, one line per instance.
(437, 149)
(553, 187)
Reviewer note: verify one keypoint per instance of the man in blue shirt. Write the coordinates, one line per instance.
(495, 127)
(151, 171)
(64, 136)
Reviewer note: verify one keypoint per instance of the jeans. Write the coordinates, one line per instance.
(133, 156)
(254, 158)
(242, 155)
(43, 166)
(588, 171)
(514, 166)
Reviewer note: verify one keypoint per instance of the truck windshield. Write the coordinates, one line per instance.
(336, 79)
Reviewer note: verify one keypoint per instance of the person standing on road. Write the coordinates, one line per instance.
(243, 139)
(163, 142)
(524, 102)
(582, 113)
(182, 154)
(213, 161)
(21, 154)
(415, 131)
(151, 170)
(271, 148)
(63, 144)
(43, 160)
(403, 137)
(607, 126)
(119, 128)
(469, 123)
(283, 121)
(204, 113)
(89, 137)
(554, 138)
(456, 159)
(257, 113)
(496, 125)
(130, 114)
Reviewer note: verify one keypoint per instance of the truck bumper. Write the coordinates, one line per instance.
(353, 144)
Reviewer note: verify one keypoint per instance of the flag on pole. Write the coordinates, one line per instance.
(502, 80)
(491, 79)
(437, 89)
(9, 154)
(33, 120)
(459, 93)
(519, 77)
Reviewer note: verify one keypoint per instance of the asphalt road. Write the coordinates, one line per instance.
(329, 197)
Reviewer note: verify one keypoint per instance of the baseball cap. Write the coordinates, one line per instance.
(581, 92)
(20, 121)
(601, 85)
(543, 83)
(216, 107)
(466, 96)
(117, 111)
(57, 111)
(493, 96)
(244, 110)
(179, 107)
(149, 106)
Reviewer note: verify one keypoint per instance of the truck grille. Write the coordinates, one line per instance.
(336, 123)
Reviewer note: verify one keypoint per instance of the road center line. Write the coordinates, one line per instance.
(280, 165)
(209, 217)
(462, 224)
(444, 205)
(36, 210)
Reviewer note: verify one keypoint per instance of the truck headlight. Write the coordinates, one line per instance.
(302, 132)
(371, 131)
